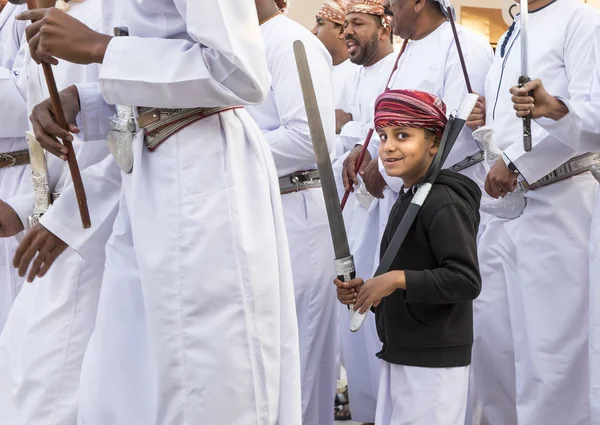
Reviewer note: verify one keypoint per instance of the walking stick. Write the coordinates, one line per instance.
(62, 121)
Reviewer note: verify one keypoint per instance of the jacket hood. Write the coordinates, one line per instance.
(463, 186)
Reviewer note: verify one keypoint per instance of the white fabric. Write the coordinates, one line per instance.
(530, 357)
(13, 111)
(341, 75)
(411, 395)
(44, 341)
(196, 321)
(282, 118)
(595, 313)
(359, 348)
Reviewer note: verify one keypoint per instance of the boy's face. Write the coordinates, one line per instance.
(407, 152)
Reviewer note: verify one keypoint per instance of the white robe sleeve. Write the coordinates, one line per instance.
(563, 139)
(584, 113)
(12, 105)
(291, 143)
(478, 59)
(355, 133)
(92, 119)
(224, 65)
(102, 185)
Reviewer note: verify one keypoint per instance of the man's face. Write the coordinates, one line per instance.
(362, 33)
(330, 34)
(404, 17)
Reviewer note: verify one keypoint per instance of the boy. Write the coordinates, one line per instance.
(423, 305)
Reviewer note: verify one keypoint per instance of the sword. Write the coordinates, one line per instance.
(344, 262)
(39, 179)
(524, 78)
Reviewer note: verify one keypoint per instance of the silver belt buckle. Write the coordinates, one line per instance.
(120, 137)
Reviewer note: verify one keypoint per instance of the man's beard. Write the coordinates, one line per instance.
(366, 52)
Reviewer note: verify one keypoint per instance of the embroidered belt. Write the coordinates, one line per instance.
(300, 180)
(571, 168)
(14, 159)
(160, 124)
(468, 162)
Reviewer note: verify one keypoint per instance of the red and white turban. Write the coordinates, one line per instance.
(370, 7)
(410, 108)
(334, 11)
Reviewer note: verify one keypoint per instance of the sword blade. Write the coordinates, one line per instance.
(524, 79)
(319, 142)
(344, 264)
(524, 38)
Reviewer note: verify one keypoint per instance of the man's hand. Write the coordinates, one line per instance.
(10, 223)
(55, 34)
(372, 292)
(349, 171)
(341, 118)
(42, 242)
(348, 291)
(47, 131)
(477, 117)
(374, 181)
(500, 180)
(542, 104)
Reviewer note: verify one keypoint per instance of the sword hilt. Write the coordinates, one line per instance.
(527, 142)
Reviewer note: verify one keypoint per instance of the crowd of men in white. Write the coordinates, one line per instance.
(202, 293)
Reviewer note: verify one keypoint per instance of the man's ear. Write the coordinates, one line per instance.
(340, 35)
(386, 34)
(420, 5)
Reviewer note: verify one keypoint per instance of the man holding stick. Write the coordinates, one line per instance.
(196, 321)
(45, 338)
(531, 360)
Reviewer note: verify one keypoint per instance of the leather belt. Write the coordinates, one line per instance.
(468, 162)
(160, 124)
(573, 167)
(300, 180)
(14, 159)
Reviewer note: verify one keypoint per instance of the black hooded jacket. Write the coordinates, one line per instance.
(430, 324)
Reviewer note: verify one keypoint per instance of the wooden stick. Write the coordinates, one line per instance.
(460, 51)
(71, 158)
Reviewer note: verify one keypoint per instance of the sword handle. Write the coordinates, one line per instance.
(527, 143)
(346, 271)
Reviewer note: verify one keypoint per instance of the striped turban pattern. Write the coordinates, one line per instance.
(334, 11)
(410, 108)
(370, 7)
